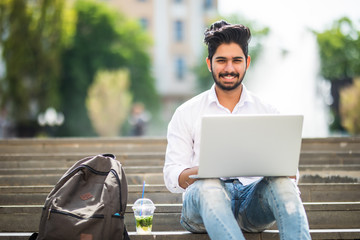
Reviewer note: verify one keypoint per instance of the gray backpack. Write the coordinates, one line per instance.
(87, 203)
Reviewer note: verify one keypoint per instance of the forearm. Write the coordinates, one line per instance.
(184, 179)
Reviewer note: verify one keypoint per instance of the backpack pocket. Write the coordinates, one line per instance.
(78, 227)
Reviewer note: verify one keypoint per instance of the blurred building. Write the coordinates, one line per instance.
(177, 28)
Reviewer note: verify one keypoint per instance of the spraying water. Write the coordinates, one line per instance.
(286, 74)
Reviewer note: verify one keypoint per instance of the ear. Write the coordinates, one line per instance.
(248, 62)
(208, 62)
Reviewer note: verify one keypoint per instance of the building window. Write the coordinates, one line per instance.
(180, 68)
(144, 23)
(208, 4)
(179, 31)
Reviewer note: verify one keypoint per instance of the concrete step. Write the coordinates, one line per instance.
(316, 234)
(317, 157)
(52, 179)
(66, 160)
(89, 145)
(159, 169)
(335, 144)
(157, 178)
(321, 160)
(36, 195)
(65, 164)
(73, 157)
(338, 215)
(128, 170)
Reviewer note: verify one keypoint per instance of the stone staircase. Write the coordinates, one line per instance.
(329, 183)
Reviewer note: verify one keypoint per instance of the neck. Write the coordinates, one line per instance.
(229, 99)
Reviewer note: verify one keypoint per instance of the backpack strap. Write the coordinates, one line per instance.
(108, 155)
(126, 235)
(33, 236)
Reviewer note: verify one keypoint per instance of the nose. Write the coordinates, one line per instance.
(229, 67)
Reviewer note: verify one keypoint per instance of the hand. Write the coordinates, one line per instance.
(184, 180)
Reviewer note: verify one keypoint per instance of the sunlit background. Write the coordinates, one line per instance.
(121, 67)
(288, 71)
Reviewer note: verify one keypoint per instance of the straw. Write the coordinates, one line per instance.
(143, 191)
(142, 196)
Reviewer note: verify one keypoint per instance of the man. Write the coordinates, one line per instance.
(225, 207)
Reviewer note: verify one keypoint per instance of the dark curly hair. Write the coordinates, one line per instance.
(223, 32)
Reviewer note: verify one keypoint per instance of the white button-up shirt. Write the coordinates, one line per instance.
(184, 131)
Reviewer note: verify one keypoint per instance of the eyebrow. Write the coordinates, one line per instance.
(224, 58)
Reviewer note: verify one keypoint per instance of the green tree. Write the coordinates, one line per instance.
(31, 37)
(258, 33)
(109, 101)
(339, 49)
(350, 107)
(104, 39)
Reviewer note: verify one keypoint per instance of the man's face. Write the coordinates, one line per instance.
(228, 66)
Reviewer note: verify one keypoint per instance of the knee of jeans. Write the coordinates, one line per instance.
(281, 182)
(211, 188)
(285, 190)
(283, 187)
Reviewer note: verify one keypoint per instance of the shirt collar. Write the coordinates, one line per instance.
(245, 96)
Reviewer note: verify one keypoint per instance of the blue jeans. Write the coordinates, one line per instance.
(222, 209)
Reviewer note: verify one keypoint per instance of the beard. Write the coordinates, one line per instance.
(228, 87)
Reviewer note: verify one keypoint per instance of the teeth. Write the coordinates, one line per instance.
(229, 77)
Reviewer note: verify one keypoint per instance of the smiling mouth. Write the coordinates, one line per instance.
(228, 76)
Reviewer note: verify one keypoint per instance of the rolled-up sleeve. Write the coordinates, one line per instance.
(179, 151)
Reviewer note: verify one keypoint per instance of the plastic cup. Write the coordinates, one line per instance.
(143, 211)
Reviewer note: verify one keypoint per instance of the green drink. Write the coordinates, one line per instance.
(143, 224)
(143, 212)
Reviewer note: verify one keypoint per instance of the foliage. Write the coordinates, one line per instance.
(32, 36)
(339, 50)
(109, 101)
(350, 107)
(258, 33)
(104, 39)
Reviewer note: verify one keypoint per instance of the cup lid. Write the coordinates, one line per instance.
(143, 203)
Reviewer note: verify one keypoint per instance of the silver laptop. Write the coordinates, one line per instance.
(250, 145)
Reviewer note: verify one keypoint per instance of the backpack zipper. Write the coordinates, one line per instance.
(119, 183)
(100, 173)
(74, 215)
(48, 216)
